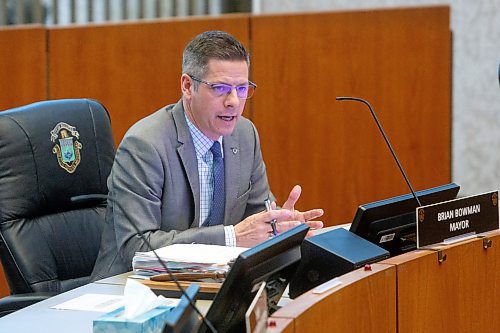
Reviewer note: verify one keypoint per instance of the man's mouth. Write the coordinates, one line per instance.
(227, 118)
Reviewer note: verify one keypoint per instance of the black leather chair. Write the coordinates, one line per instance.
(55, 157)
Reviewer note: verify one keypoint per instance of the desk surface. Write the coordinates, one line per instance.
(119, 280)
(41, 318)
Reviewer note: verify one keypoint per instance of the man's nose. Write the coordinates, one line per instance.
(232, 99)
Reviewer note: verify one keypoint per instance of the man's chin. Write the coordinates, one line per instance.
(226, 128)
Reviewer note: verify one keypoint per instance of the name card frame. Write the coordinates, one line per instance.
(457, 219)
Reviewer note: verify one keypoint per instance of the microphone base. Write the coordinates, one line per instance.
(331, 254)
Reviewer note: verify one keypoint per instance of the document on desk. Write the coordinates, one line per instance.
(186, 257)
(92, 302)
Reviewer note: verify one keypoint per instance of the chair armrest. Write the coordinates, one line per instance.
(12, 303)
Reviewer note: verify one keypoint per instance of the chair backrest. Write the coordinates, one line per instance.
(55, 157)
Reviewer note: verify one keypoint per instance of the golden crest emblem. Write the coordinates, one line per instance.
(421, 215)
(67, 147)
(494, 198)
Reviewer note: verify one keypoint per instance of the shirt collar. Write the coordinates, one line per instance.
(202, 143)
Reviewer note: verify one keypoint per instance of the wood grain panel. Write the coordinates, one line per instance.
(23, 60)
(23, 78)
(282, 325)
(399, 60)
(132, 68)
(462, 294)
(365, 302)
(4, 287)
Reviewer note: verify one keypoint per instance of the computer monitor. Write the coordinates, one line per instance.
(273, 261)
(183, 318)
(391, 223)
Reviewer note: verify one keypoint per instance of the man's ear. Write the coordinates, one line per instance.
(186, 86)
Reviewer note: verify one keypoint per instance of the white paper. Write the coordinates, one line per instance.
(197, 253)
(92, 302)
(186, 258)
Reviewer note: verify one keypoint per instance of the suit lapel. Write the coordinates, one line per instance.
(232, 167)
(187, 154)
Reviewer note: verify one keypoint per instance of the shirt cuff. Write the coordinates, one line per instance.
(230, 235)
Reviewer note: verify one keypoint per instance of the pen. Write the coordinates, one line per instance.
(273, 221)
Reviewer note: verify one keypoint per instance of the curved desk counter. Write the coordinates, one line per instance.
(413, 292)
(364, 302)
(453, 288)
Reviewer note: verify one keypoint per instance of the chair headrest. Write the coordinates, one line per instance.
(50, 152)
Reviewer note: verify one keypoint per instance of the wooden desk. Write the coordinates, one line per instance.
(409, 293)
(460, 294)
(413, 292)
(365, 302)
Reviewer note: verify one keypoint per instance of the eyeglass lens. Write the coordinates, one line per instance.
(243, 91)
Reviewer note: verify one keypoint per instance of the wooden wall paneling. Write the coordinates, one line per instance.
(132, 68)
(23, 79)
(365, 302)
(4, 287)
(397, 59)
(23, 60)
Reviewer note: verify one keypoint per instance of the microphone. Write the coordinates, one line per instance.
(386, 141)
(170, 274)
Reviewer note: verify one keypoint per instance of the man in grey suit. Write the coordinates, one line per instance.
(170, 178)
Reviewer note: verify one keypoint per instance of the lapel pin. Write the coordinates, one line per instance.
(235, 150)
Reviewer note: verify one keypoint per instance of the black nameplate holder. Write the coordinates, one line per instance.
(456, 220)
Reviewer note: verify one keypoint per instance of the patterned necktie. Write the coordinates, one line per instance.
(216, 215)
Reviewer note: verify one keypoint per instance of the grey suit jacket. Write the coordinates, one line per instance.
(154, 184)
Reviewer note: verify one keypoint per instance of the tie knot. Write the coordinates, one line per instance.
(216, 151)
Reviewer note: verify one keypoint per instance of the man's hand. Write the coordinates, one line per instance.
(257, 228)
(306, 216)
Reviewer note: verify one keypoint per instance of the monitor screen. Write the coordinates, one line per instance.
(273, 261)
(391, 223)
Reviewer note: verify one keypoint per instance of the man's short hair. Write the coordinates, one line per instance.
(211, 45)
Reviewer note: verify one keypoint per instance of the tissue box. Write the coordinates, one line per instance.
(152, 321)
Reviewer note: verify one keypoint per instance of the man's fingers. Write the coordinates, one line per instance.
(278, 214)
(315, 224)
(286, 225)
(309, 234)
(292, 198)
(312, 214)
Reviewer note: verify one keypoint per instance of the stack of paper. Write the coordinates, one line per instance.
(186, 258)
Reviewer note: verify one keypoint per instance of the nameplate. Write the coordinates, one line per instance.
(457, 219)
(256, 315)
